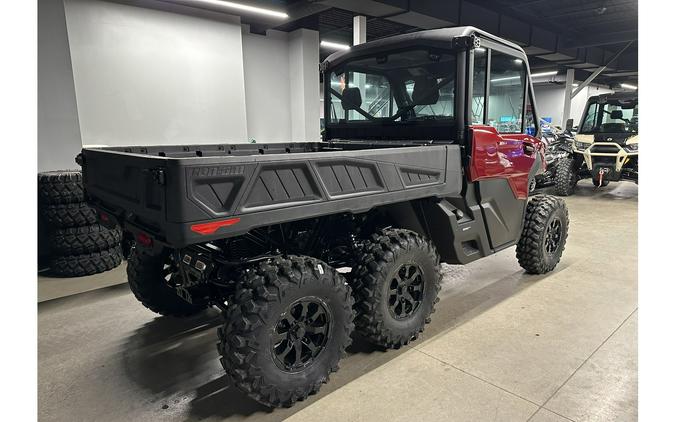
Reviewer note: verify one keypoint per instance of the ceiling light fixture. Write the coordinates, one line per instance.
(551, 73)
(244, 8)
(628, 86)
(508, 78)
(335, 45)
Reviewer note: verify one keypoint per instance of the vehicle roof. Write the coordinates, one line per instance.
(431, 35)
(615, 96)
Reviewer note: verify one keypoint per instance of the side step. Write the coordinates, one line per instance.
(460, 238)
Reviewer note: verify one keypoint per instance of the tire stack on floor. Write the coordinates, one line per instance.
(78, 245)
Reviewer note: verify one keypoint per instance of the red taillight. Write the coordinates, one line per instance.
(103, 217)
(210, 228)
(144, 239)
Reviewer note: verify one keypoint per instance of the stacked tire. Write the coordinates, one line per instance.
(78, 245)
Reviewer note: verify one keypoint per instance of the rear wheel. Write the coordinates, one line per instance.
(286, 329)
(396, 283)
(544, 235)
(149, 277)
(566, 177)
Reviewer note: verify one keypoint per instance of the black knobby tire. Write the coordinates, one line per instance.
(267, 291)
(146, 275)
(85, 264)
(373, 277)
(533, 249)
(60, 187)
(69, 215)
(84, 239)
(566, 177)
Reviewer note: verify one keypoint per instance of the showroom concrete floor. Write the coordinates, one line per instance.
(502, 346)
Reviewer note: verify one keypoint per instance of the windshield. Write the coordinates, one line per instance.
(611, 116)
(400, 88)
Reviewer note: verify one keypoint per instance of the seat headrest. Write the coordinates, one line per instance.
(351, 98)
(616, 114)
(425, 91)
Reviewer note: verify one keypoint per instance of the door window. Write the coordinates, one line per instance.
(507, 90)
(530, 122)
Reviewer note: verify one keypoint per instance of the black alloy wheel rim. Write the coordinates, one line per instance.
(553, 236)
(406, 290)
(301, 334)
(170, 272)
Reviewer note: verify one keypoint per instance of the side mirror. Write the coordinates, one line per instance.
(569, 124)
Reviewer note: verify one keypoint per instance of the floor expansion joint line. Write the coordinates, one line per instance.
(549, 410)
(581, 365)
(477, 377)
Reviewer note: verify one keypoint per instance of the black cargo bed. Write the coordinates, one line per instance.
(183, 195)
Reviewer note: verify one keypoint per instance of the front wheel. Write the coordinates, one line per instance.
(566, 177)
(286, 329)
(544, 234)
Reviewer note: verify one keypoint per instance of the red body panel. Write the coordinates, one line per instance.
(505, 156)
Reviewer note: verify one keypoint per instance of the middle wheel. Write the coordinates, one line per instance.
(396, 283)
(286, 328)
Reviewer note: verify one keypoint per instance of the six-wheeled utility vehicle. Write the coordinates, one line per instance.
(426, 158)
(605, 147)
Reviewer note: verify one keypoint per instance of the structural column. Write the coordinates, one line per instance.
(303, 49)
(359, 30)
(59, 138)
(567, 105)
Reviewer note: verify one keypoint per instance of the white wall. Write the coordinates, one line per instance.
(145, 76)
(58, 127)
(550, 98)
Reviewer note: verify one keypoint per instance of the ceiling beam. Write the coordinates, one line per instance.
(599, 70)
(602, 39)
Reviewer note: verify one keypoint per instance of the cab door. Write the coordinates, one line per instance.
(504, 152)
